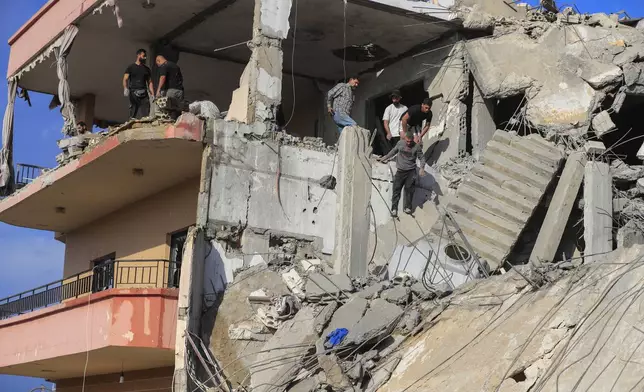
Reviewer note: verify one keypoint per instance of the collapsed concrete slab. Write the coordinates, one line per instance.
(320, 286)
(380, 318)
(497, 198)
(347, 316)
(281, 358)
(234, 308)
(532, 340)
(559, 209)
(556, 101)
(576, 66)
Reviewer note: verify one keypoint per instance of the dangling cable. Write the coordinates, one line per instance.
(344, 42)
(293, 67)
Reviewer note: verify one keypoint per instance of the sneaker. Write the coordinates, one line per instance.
(407, 211)
(394, 213)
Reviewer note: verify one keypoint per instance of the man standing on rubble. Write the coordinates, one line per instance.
(339, 103)
(170, 79)
(408, 152)
(392, 117)
(412, 120)
(137, 81)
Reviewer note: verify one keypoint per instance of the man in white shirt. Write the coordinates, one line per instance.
(392, 117)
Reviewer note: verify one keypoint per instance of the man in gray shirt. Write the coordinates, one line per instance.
(339, 103)
(408, 152)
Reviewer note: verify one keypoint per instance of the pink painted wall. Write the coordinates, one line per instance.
(132, 318)
(43, 28)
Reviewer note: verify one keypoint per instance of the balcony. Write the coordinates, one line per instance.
(123, 312)
(117, 169)
(118, 274)
(25, 174)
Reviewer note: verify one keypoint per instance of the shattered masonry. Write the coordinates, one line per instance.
(534, 150)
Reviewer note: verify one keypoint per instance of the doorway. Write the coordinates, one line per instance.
(177, 244)
(412, 94)
(103, 273)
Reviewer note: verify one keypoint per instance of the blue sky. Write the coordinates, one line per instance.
(30, 258)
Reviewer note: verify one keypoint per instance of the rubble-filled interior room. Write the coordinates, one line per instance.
(210, 44)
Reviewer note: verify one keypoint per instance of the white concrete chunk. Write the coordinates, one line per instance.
(598, 210)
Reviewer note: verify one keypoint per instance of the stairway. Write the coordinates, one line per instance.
(493, 204)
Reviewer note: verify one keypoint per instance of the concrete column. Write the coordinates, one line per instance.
(559, 210)
(353, 197)
(189, 305)
(85, 110)
(260, 89)
(598, 209)
(483, 126)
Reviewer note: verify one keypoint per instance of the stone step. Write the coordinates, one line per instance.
(513, 170)
(541, 166)
(508, 197)
(542, 146)
(485, 218)
(483, 233)
(523, 144)
(507, 183)
(492, 205)
(495, 201)
(537, 139)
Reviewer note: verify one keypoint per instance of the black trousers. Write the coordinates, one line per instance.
(139, 106)
(407, 179)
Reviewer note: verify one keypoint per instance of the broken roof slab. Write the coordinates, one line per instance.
(197, 28)
(508, 65)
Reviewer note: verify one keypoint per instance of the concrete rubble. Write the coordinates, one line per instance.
(505, 280)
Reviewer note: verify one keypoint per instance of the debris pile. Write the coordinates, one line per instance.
(538, 211)
(309, 142)
(313, 330)
(455, 169)
(74, 146)
(169, 108)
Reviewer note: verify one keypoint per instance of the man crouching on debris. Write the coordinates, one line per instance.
(408, 151)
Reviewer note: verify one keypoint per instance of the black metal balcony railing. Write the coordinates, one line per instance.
(26, 174)
(113, 274)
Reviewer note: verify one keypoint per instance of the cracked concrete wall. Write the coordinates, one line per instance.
(244, 186)
(482, 126)
(501, 335)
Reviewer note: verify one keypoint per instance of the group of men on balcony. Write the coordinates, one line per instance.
(139, 88)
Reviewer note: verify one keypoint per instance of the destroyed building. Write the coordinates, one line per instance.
(206, 250)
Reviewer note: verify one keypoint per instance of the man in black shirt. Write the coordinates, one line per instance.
(412, 120)
(170, 79)
(137, 81)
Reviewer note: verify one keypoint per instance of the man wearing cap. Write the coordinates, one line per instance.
(391, 118)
